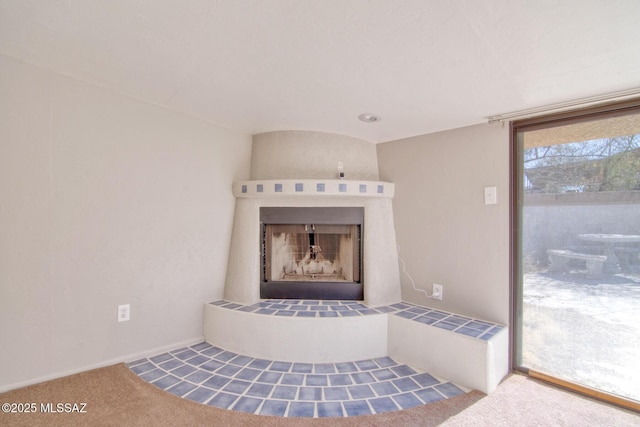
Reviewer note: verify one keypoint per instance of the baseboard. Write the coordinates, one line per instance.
(122, 359)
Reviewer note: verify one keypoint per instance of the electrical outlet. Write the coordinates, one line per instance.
(124, 313)
(437, 292)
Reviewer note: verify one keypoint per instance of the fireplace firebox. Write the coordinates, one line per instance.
(312, 253)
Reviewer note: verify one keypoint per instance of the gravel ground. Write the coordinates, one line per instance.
(582, 330)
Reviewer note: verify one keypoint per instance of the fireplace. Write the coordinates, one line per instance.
(311, 253)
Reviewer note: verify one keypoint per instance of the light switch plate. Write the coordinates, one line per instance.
(490, 196)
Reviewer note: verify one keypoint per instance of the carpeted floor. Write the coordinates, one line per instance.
(114, 396)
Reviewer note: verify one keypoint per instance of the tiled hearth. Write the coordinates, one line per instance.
(210, 375)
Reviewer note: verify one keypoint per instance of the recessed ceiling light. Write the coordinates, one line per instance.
(369, 118)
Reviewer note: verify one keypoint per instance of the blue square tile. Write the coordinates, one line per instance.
(211, 365)
(247, 404)
(426, 320)
(417, 310)
(383, 404)
(303, 368)
(319, 308)
(384, 388)
(325, 368)
(385, 309)
(248, 374)
(457, 320)
(269, 377)
(385, 362)
(222, 400)
(363, 188)
(403, 370)
(225, 356)
(360, 391)
(173, 363)
(241, 360)
(349, 313)
(362, 377)
(320, 188)
(280, 366)
(136, 362)
(329, 409)
(407, 400)
(183, 371)
(289, 313)
(356, 407)
(259, 188)
(468, 331)
(405, 384)
(317, 380)
(292, 379)
(425, 380)
(306, 314)
(198, 360)
(278, 188)
(212, 351)
(340, 379)
(198, 376)
(187, 354)
(310, 393)
(244, 188)
(276, 408)
(236, 386)
(260, 364)
(342, 188)
(445, 325)
(201, 346)
(435, 315)
(366, 365)
(285, 392)
(200, 395)
(229, 370)
(449, 390)
(161, 358)
(384, 374)
(216, 382)
(144, 367)
(181, 388)
(166, 382)
(380, 189)
(299, 187)
(266, 311)
(406, 314)
(336, 393)
(153, 375)
(328, 314)
(301, 409)
(260, 390)
(429, 395)
(481, 326)
(346, 367)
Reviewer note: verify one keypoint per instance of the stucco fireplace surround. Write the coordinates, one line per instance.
(299, 170)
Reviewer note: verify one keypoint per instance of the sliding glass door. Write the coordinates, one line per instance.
(576, 235)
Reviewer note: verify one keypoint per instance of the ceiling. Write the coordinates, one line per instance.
(262, 65)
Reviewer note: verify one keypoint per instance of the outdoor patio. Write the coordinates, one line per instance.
(584, 330)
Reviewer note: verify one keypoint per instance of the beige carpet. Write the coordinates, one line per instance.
(114, 396)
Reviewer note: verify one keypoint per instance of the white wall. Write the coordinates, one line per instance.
(446, 233)
(105, 200)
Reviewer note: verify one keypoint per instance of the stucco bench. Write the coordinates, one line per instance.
(560, 257)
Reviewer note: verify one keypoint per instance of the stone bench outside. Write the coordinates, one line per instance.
(560, 257)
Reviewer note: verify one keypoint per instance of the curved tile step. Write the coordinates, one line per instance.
(211, 375)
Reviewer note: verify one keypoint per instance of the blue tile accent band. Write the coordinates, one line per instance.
(320, 188)
(363, 188)
(342, 188)
(299, 186)
(213, 376)
(278, 188)
(259, 188)
(244, 188)
(380, 188)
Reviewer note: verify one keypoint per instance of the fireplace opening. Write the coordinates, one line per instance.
(312, 253)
